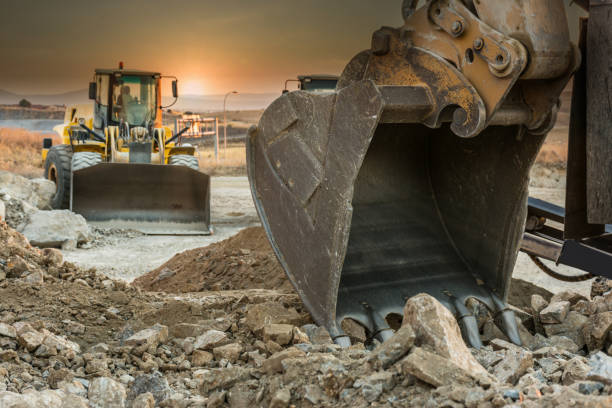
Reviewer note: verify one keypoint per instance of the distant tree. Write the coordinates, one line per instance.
(24, 103)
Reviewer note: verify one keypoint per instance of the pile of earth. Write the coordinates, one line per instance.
(74, 338)
(244, 261)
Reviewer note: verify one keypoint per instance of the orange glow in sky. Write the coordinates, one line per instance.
(191, 86)
(211, 46)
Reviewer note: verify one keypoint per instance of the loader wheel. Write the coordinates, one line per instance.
(57, 169)
(185, 160)
(81, 160)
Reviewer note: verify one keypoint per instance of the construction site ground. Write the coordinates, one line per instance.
(130, 320)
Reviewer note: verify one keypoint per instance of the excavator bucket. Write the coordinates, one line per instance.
(412, 177)
(154, 199)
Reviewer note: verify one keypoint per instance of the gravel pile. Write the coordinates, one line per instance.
(74, 338)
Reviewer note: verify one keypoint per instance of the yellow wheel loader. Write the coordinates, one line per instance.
(118, 166)
(413, 175)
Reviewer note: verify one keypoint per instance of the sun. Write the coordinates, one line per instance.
(192, 87)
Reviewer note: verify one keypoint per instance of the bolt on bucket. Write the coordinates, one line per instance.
(412, 177)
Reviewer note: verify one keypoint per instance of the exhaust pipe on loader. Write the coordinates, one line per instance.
(154, 199)
(412, 177)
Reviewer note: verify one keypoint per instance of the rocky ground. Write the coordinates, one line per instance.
(219, 324)
(75, 338)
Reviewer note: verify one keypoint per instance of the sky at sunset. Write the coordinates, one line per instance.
(213, 46)
(51, 46)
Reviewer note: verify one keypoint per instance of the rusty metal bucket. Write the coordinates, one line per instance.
(412, 177)
(154, 199)
(364, 214)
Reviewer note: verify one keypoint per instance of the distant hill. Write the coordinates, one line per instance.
(198, 103)
(7, 97)
(67, 98)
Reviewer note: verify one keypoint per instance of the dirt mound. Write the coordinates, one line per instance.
(244, 261)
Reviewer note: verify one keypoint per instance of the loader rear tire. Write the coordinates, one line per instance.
(57, 169)
(81, 160)
(185, 160)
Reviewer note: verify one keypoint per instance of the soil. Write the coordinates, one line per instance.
(244, 261)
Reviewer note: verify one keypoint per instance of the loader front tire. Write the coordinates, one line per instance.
(184, 160)
(57, 169)
(81, 160)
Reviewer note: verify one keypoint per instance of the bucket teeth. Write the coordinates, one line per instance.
(467, 324)
(378, 324)
(340, 337)
(505, 319)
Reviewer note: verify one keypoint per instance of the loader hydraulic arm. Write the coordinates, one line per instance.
(93, 134)
(175, 137)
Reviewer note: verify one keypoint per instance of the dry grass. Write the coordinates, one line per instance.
(20, 151)
(231, 162)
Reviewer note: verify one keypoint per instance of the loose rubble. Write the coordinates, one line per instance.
(74, 338)
(26, 208)
(244, 261)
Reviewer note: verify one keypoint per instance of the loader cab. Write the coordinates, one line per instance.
(122, 96)
(314, 83)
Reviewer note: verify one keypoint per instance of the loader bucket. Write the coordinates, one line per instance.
(154, 199)
(365, 211)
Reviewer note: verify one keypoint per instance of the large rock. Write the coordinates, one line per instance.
(44, 190)
(7, 330)
(229, 352)
(279, 333)
(46, 398)
(373, 385)
(394, 348)
(59, 343)
(595, 331)
(274, 363)
(601, 368)
(436, 327)
(512, 367)
(433, 369)
(262, 314)
(106, 393)
(575, 370)
(200, 358)
(30, 339)
(37, 192)
(316, 334)
(54, 228)
(223, 378)
(570, 296)
(555, 312)
(538, 303)
(355, 331)
(148, 338)
(571, 328)
(155, 384)
(210, 340)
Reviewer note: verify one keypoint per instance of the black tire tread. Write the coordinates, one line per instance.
(81, 160)
(61, 156)
(185, 160)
